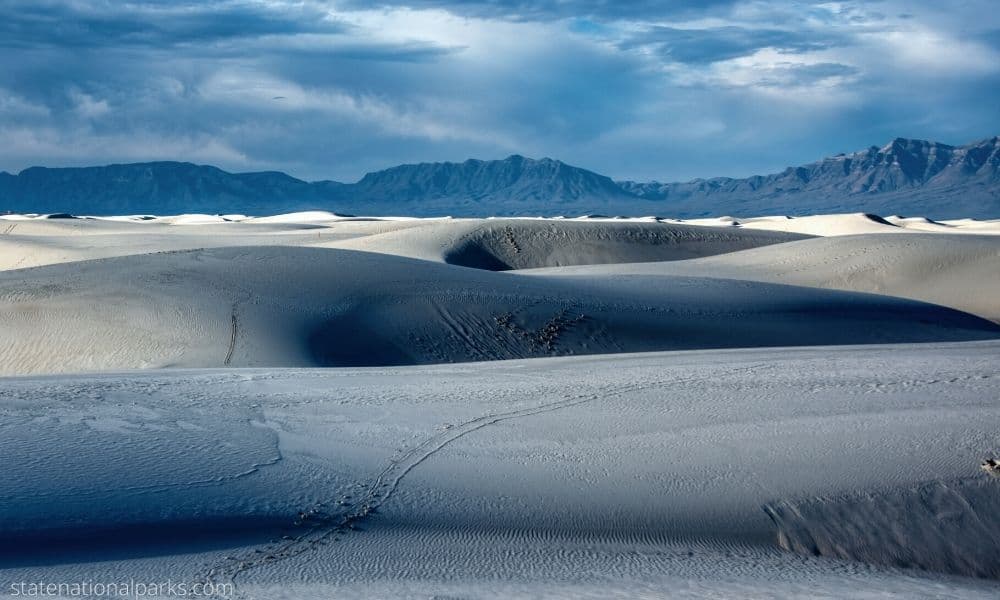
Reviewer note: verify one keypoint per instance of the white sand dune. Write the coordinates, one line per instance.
(962, 272)
(27, 241)
(794, 443)
(284, 306)
(986, 226)
(824, 225)
(972, 226)
(482, 243)
(315, 216)
(851, 224)
(502, 244)
(609, 476)
(36, 242)
(925, 224)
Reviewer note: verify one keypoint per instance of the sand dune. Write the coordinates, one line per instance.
(962, 272)
(985, 226)
(851, 224)
(35, 242)
(281, 306)
(816, 225)
(497, 244)
(502, 244)
(945, 526)
(628, 476)
(798, 446)
(824, 225)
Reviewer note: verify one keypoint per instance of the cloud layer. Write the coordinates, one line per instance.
(646, 90)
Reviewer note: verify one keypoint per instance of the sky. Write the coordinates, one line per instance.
(645, 90)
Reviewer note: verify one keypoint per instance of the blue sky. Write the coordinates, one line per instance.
(642, 90)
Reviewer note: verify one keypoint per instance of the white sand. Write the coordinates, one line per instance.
(500, 244)
(854, 224)
(790, 464)
(34, 240)
(638, 475)
(286, 306)
(960, 271)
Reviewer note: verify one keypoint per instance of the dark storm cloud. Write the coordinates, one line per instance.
(96, 24)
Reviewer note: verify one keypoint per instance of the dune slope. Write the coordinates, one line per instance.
(283, 306)
(959, 271)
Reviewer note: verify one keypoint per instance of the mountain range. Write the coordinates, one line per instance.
(908, 177)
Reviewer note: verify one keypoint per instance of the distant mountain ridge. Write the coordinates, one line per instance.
(904, 176)
(912, 177)
(156, 187)
(514, 179)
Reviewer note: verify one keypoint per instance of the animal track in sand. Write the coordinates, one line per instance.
(548, 335)
(322, 526)
(232, 338)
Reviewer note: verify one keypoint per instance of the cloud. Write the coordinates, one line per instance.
(528, 10)
(39, 23)
(927, 53)
(708, 45)
(14, 107)
(332, 89)
(59, 146)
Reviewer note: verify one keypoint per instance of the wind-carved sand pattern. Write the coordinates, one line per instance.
(324, 526)
(957, 534)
